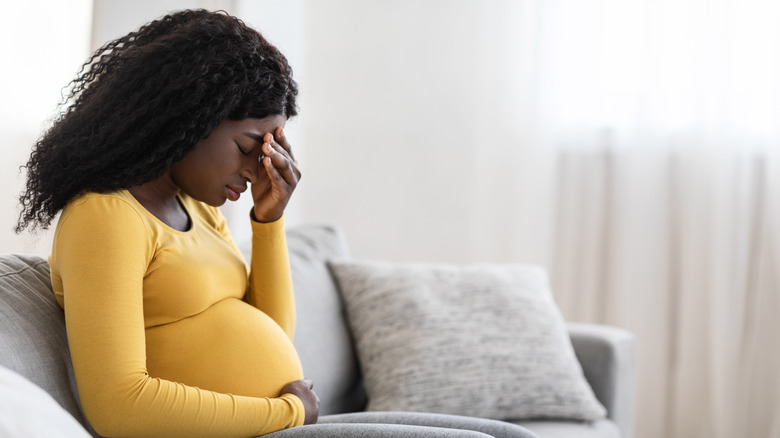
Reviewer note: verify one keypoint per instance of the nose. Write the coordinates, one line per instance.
(249, 170)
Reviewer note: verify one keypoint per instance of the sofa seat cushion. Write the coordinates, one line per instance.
(603, 428)
(365, 430)
(493, 428)
(483, 340)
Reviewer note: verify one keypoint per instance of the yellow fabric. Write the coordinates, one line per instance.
(168, 332)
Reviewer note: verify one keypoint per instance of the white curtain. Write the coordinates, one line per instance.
(664, 115)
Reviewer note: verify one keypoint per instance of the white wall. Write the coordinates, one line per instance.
(43, 44)
(115, 18)
(403, 107)
(417, 129)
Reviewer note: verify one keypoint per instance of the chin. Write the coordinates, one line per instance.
(216, 201)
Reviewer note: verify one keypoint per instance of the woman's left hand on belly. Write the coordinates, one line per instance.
(304, 390)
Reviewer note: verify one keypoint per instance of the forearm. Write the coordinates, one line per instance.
(119, 398)
(270, 279)
(145, 406)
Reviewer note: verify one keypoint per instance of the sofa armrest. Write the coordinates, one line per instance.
(608, 358)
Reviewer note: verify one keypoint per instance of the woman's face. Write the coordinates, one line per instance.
(221, 165)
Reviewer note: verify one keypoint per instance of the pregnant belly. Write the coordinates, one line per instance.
(231, 348)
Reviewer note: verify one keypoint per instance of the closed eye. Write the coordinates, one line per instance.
(243, 152)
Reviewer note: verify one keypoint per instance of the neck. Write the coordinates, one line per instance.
(159, 198)
(160, 191)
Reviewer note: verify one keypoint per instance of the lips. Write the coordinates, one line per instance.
(233, 193)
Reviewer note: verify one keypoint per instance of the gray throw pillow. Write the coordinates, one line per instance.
(482, 340)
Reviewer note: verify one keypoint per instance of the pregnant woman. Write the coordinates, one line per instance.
(170, 333)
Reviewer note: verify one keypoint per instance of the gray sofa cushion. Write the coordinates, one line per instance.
(481, 340)
(32, 329)
(322, 337)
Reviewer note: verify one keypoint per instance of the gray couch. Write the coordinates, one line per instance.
(33, 344)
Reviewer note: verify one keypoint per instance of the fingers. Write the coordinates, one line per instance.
(283, 179)
(280, 144)
(282, 140)
(277, 163)
(298, 387)
(279, 179)
(280, 153)
(303, 389)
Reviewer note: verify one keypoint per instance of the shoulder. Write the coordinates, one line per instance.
(105, 225)
(101, 230)
(112, 205)
(93, 212)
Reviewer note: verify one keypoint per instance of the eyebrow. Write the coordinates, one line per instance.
(253, 136)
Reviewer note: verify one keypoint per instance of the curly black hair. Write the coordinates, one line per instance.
(141, 102)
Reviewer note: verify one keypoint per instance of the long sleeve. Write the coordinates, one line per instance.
(270, 280)
(101, 255)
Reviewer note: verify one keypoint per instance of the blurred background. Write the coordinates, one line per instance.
(630, 146)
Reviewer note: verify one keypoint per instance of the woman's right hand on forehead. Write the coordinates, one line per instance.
(281, 175)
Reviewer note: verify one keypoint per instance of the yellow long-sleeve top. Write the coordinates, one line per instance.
(168, 332)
